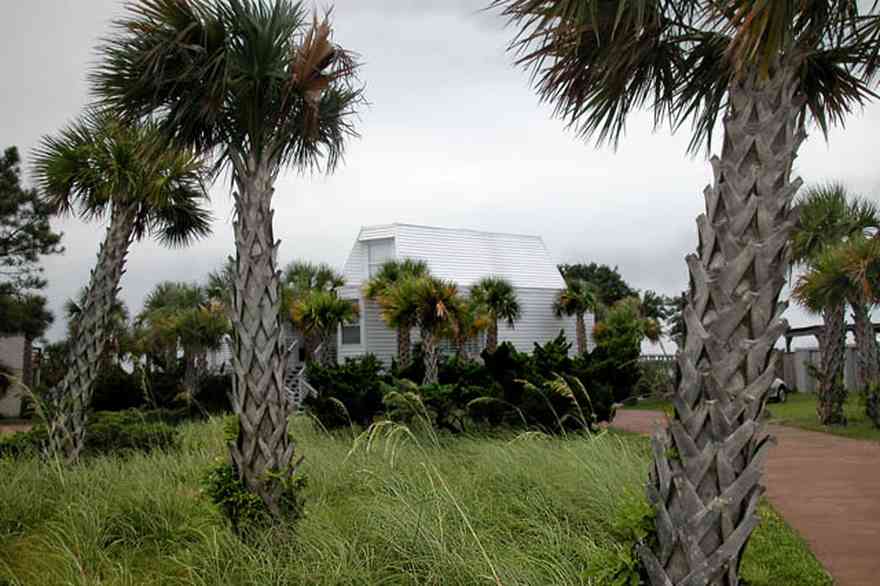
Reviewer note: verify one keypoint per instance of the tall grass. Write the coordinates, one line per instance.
(389, 507)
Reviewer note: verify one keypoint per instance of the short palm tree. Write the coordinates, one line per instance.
(826, 285)
(183, 316)
(389, 274)
(766, 69)
(467, 324)
(98, 167)
(577, 299)
(829, 215)
(859, 258)
(498, 298)
(298, 280)
(264, 89)
(319, 312)
(429, 303)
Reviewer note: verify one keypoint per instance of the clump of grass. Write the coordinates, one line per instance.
(800, 411)
(391, 507)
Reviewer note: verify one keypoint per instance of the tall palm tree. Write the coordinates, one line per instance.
(828, 216)
(321, 312)
(577, 299)
(390, 273)
(431, 304)
(97, 167)
(498, 297)
(116, 329)
(767, 69)
(263, 89)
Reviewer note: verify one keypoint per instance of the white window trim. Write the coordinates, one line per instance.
(361, 324)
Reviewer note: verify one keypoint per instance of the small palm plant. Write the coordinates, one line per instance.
(578, 298)
(829, 215)
(761, 70)
(263, 88)
(429, 303)
(390, 274)
(321, 312)
(299, 280)
(97, 167)
(498, 298)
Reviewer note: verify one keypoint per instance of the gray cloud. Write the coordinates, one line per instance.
(453, 136)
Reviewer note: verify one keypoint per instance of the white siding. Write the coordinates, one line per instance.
(380, 339)
(355, 270)
(539, 323)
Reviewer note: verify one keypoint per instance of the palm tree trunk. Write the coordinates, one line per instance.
(868, 356)
(707, 466)
(27, 362)
(432, 358)
(328, 352)
(492, 336)
(404, 345)
(71, 398)
(190, 374)
(581, 333)
(832, 391)
(263, 448)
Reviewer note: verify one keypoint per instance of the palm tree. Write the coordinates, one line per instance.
(768, 69)
(467, 323)
(826, 285)
(183, 316)
(256, 84)
(299, 280)
(498, 297)
(116, 329)
(431, 304)
(859, 258)
(97, 166)
(829, 215)
(319, 312)
(577, 299)
(390, 274)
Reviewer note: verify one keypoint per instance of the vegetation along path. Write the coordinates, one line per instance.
(827, 487)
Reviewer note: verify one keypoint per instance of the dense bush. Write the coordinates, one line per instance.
(348, 393)
(117, 390)
(108, 432)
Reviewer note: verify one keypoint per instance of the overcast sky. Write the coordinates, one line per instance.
(453, 136)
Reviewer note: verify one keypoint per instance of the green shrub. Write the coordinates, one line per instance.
(443, 406)
(117, 390)
(348, 393)
(107, 432)
(245, 510)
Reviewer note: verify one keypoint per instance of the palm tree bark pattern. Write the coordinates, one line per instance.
(705, 478)
(70, 400)
(492, 336)
(263, 447)
(866, 342)
(581, 332)
(832, 391)
(432, 358)
(404, 345)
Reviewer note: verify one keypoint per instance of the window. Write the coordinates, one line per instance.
(351, 332)
(379, 252)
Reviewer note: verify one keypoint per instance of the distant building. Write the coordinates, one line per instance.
(464, 257)
(11, 357)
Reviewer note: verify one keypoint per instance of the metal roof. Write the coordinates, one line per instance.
(465, 256)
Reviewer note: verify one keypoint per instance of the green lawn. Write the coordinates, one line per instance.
(800, 411)
(393, 510)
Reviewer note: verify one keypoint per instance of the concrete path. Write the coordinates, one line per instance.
(827, 487)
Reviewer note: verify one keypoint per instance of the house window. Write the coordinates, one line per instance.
(351, 332)
(379, 252)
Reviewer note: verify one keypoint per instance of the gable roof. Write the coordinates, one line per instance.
(465, 256)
